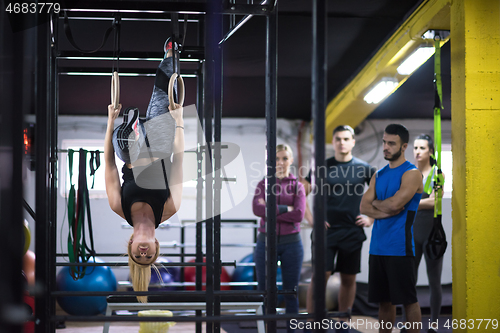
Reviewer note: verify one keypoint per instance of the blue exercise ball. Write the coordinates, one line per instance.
(161, 279)
(97, 278)
(164, 276)
(173, 271)
(246, 274)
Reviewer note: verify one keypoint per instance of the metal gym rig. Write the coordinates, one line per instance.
(30, 46)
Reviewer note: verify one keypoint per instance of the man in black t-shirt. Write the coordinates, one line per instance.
(346, 177)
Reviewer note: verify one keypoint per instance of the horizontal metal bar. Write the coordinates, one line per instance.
(123, 59)
(133, 7)
(195, 319)
(142, 19)
(226, 221)
(228, 179)
(154, 288)
(244, 9)
(180, 293)
(124, 255)
(121, 74)
(189, 53)
(124, 263)
(192, 224)
(123, 71)
(185, 245)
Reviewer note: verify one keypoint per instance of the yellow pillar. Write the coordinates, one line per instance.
(475, 98)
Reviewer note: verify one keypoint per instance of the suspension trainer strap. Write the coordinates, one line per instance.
(428, 187)
(438, 105)
(116, 43)
(71, 208)
(75, 223)
(69, 35)
(436, 243)
(84, 209)
(95, 163)
(86, 197)
(82, 185)
(79, 206)
(174, 18)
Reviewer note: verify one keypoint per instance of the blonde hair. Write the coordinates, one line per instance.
(140, 274)
(284, 147)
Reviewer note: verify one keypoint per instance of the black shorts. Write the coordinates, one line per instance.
(392, 279)
(348, 262)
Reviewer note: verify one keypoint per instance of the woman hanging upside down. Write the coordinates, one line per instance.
(152, 149)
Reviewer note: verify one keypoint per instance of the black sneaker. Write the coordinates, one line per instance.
(168, 46)
(128, 131)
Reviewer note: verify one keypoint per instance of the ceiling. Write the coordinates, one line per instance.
(356, 29)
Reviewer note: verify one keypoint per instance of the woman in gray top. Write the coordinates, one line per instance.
(423, 149)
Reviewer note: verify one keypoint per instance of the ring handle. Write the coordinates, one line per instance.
(115, 90)
(180, 90)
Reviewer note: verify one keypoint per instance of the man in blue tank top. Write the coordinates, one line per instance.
(392, 200)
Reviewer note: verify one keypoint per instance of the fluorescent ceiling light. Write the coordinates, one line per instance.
(415, 60)
(381, 90)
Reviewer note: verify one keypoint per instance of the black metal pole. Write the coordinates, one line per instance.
(53, 159)
(45, 182)
(16, 94)
(200, 154)
(209, 109)
(318, 95)
(271, 112)
(218, 79)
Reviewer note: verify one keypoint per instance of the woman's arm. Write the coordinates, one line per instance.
(427, 203)
(299, 207)
(175, 182)
(111, 177)
(259, 200)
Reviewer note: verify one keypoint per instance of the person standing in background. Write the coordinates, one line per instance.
(291, 201)
(423, 149)
(346, 177)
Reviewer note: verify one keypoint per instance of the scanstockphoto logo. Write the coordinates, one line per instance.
(156, 166)
(337, 179)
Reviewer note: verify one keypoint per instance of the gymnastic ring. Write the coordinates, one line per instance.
(180, 90)
(27, 236)
(115, 90)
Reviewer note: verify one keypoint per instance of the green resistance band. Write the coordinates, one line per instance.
(76, 250)
(438, 106)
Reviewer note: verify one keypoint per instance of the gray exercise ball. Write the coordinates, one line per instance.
(332, 289)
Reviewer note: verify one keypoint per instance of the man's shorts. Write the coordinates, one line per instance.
(347, 262)
(392, 279)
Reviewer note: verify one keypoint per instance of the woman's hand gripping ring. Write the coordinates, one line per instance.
(115, 90)
(180, 90)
